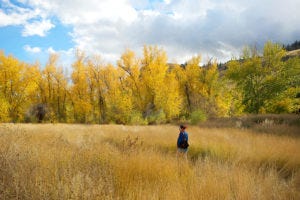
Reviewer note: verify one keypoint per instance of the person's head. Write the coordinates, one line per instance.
(182, 128)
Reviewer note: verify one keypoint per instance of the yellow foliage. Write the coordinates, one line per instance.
(148, 88)
(18, 86)
(4, 107)
(171, 100)
(192, 72)
(153, 71)
(131, 77)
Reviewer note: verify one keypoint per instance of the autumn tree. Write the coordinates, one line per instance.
(118, 95)
(202, 89)
(161, 92)
(214, 90)
(261, 79)
(17, 87)
(79, 92)
(53, 90)
(131, 76)
(97, 89)
(287, 100)
(191, 89)
(148, 89)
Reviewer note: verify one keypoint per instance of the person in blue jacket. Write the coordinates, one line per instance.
(182, 141)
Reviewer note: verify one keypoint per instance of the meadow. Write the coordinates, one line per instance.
(64, 161)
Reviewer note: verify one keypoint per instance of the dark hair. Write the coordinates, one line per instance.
(182, 127)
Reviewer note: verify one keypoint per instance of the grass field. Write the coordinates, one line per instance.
(59, 161)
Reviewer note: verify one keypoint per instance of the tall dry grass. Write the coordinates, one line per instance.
(139, 162)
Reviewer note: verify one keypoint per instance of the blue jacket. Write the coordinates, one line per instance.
(181, 137)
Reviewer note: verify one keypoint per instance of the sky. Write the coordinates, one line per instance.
(216, 29)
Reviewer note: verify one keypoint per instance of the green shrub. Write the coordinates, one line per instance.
(198, 116)
(158, 117)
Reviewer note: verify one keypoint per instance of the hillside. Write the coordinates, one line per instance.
(289, 54)
(293, 53)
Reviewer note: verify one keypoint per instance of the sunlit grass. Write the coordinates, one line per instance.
(139, 162)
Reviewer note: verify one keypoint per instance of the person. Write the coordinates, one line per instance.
(182, 142)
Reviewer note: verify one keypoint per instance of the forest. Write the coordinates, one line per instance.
(147, 89)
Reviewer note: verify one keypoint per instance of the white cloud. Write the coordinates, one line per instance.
(11, 19)
(50, 50)
(13, 15)
(167, 1)
(193, 8)
(150, 13)
(89, 12)
(32, 19)
(30, 49)
(184, 28)
(39, 28)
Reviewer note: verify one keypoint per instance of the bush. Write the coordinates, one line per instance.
(282, 106)
(198, 116)
(158, 117)
(136, 118)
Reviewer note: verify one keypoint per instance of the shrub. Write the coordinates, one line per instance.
(158, 117)
(198, 116)
(283, 106)
(136, 118)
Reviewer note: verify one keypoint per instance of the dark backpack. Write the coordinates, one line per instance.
(184, 143)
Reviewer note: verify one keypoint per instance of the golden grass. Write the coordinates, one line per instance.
(59, 161)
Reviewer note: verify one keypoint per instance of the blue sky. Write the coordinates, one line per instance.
(13, 43)
(31, 29)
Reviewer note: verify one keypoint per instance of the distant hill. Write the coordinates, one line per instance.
(289, 54)
(293, 50)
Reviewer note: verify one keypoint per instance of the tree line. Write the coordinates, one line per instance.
(294, 46)
(148, 90)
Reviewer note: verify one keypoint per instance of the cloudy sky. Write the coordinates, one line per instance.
(31, 29)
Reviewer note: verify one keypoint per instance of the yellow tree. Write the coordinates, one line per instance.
(160, 95)
(193, 88)
(4, 104)
(171, 101)
(17, 86)
(97, 88)
(131, 77)
(202, 89)
(188, 77)
(79, 94)
(153, 72)
(118, 98)
(217, 99)
(53, 89)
